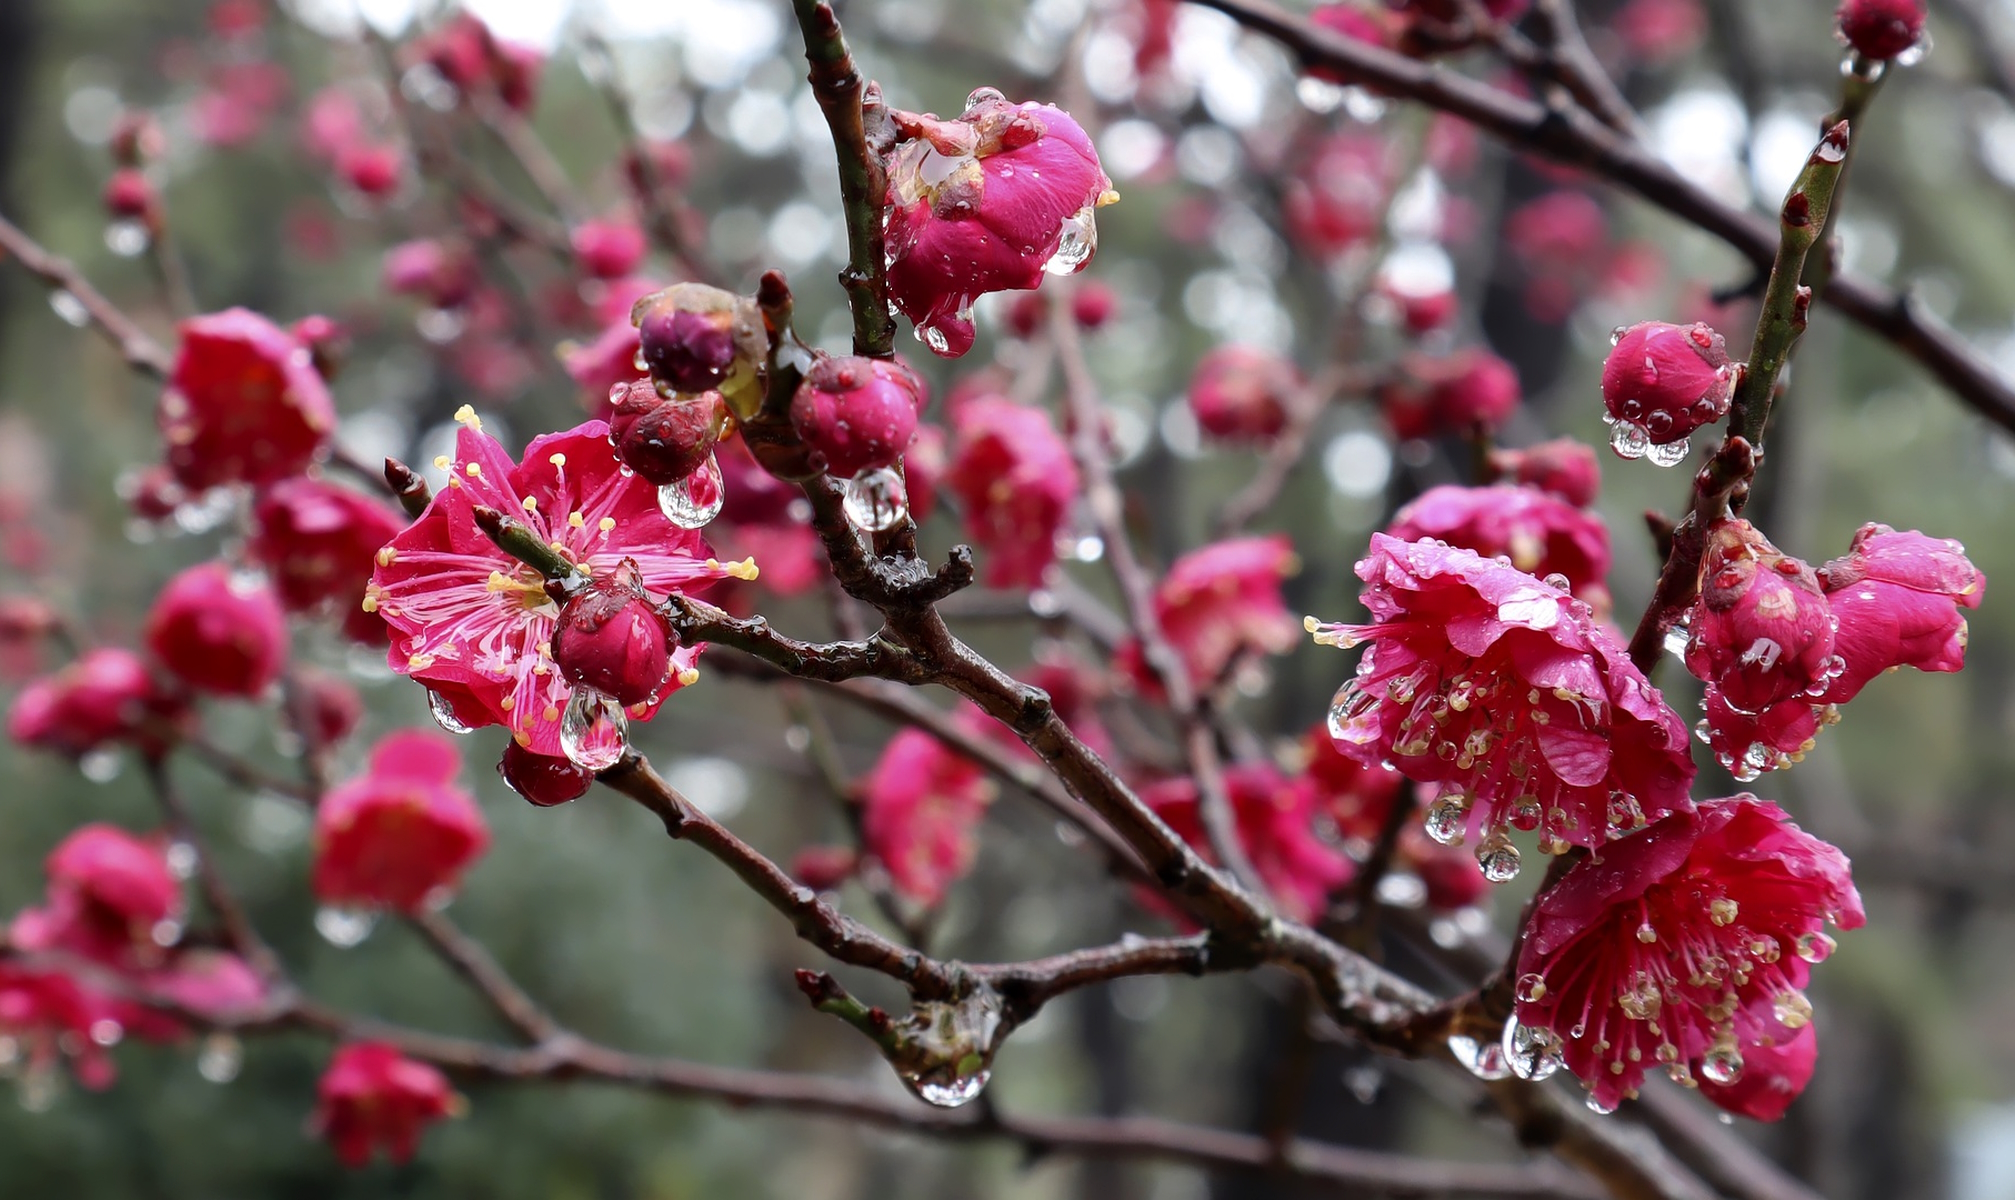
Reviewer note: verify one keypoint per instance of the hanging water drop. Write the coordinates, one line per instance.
(594, 731)
(1723, 1064)
(1485, 1060)
(1599, 1106)
(1793, 1010)
(1628, 439)
(127, 238)
(101, 765)
(1616, 334)
(67, 306)
(220, 1058)
(695, 500)
(1676, 640)
(932, 336)
(1446, 817)
(1815, 947)
(444, 713)
(344, 928)
(983, 95)
(948, 1093)
(876, 500)
(1075, 244)
(1532, 1051)
(1669, 454)
(1498, 858)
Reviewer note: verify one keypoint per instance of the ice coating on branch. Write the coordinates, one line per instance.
(372, 1095)
(987, 202)
(219, 630)
(1541, 534)
(1685, 946)
(1506, 692)
(475, 625)
(402, 831)
(243, 404)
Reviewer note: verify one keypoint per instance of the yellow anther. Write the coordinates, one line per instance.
(466, 415)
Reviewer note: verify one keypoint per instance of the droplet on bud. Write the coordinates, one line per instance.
(1668, 454)
(1076, 244)
(344, 928)
(594, 731)
(695, 500)
(876, 500)
(1628, 440)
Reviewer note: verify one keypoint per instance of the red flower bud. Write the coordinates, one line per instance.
(1661, 383)
(328, 703)
(612, 640)
(1241, 394)
(441, 273)
(823, 868)
(372, 1095)
(375, 171)
(401, 831)
(543, 780)
(319, 541)
(1451, 395)
(1091, 306)
(130, 196)
(1762, 631)
(218, 632)
(1562, 467)
(608, 249)
(1897, 598)
(664, 439)
(1881, 29)
(856, 414)
(102, 697)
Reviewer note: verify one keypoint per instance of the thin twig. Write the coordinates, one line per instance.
(140, 351)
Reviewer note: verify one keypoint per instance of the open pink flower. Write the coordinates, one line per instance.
(1541, 534)
(1748, 744)
(244, 403)
(1276, 828)
(219, 631)
(476, 625)
(318, 542)
(109, 892)
(1016, 481)
(1506, 692)
(986, 202)
(1562, 467)
(402, 830)
(1684, 946)
(1772, 1077)
(105, 696)
(1897, 598)
(921, 807)
(50, 1017)
(1452, 395)
(1217, 603)
(372, 1095)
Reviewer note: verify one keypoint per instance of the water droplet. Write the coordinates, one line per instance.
(1669, 454)
(1364, 1082)
(1485, 1060)
(1628, 440)
(181, 859)
(166, 932)
(344, 927)
(70, 308)
(1075, 245)
(1625, 813)
(1446, 818)
(594, 731)
(127, 238)
(1531, 988)
(1646, 934)
(107, 1032)
(1600, 1107)
(695, 500)
(439, 325)
(1911, 57)
(949, 1093)
(101, 765)
(1532, 1051)
(1498, 858)
(1350, 703)
(932, 336)
(444, 713)
(876, 500)
(1676, 639)
(1402, 890)
(1793, 1010)
(983, 95)
(1723, 1065)
(1815, 947)
(220, 1058)
(798, 738)
(1525, 813)
(1616, 334)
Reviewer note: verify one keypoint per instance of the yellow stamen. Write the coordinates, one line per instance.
(466, 415)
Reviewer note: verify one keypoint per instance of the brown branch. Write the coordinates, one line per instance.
(140, 351)
(1575, 137)
(473, 963)
(239, 932)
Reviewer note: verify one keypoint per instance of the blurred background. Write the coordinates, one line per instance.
(648, 945)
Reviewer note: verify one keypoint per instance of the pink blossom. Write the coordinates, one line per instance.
(105, 696)
(921, 807)
(1661, 382)
(402, 831)
(608, 249)
(372, 1095)
(476, 625)
(986, 202)
(219, 630)
(611, 638)
(1748, 744)
(1357, 796)
(1338, 196)
(50, 1017)
(664, 438)
(319, 541)
(1452, 395)
(856, 414)
(1541, 534)
(1881, 29)
(1016, 483)
(244, 403)
(1897, 598)
(1772, 1077)
(108, 891)
(1242, 394)
(1562, 467)
(1217, 603)
(602, 364)
(1506, 692)
(440, 272)
(1685, 945)
(1275, 817)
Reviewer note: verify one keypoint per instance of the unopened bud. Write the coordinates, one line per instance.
(543, 780)
(130, 196)
(664, 438)
(1881, 29)
(693, 338)
(1668, 380)
(857, 414)
(612, 640)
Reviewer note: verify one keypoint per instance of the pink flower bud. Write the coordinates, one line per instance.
(243, 403)
(1337, 198)
(152, 493)
(319, 541)
(1242, 394)
(330, 705)
(823, 868)
(1748, 744)
(218, 631)
(542, 779)
(1016, 483)
(671, 161)
(921, 807)
(102, 697)
(693, 338)
(1453, 395)
(1562, 467)
(1217, 603)
(608, 249)
(1881, 29)
(375, 171)
(1662, 382)
(987, 202)
(441, 273)
(664, 439)
(372, 1095)
(1561, 233)
(1762, 631)
(1275, 818)
(393, 836)
(612, 640)
(1092, 305)
(856, 414)
(1897, 598)
(130, 195)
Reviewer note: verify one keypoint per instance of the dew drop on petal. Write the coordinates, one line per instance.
(1532, 1052)
(594, 731)
(932, 336)
(1485, 1060)
(695, 500)
(444, 713)
(1075, 245)
(1531, 988)
(344, 927)
(1815, 947)
(1669, 454)
(1793, 1010)
(1616, 334)
(876, 500)
(1628, 440)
